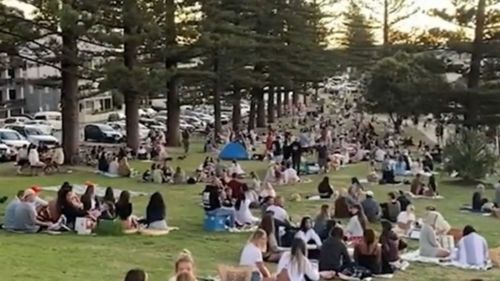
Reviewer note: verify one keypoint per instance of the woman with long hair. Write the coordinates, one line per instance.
(321, 221)
(306, 232)
(88, 198)
(472, 249)
(108, 209)
(251, 255)
(243, 214)
(156, 212)
(368, 253)
(124, 211)
(357, 223)
(69, 204)
(273, 254)
(325, 190)
(296, 264)
(342, 205)
(428, 243)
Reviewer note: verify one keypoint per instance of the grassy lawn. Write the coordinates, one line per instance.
(81, 258)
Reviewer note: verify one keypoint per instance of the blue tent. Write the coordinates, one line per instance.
(234, 151)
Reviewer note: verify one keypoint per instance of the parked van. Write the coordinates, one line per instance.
(54, 118)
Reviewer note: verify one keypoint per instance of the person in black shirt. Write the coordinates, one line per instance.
(296, 151)
(211, 199)
(322, 156)
(277, 150)
(156, 212)
(403, 200)
(124, 211)
(334, 255)
(325, 190)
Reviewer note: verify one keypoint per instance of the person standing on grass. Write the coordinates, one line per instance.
(296, 152)
(185, 141)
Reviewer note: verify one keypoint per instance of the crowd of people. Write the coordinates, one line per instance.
(40, 158)
(29, 213)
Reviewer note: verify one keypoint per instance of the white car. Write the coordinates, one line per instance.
(52, 117)
(16, 120)
(13, 140)
(197, 123)
(5, 152)
(185, 126)
(122, 128)
(44, 126)
(34, 135)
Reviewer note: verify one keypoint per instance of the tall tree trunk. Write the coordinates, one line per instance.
(236, 109)
(386, 26)
(286, 101)
(69, 97)
(252, 113)
(173, 103)
(261, 107)
(279, 103)
(132, 100)
(475, 64)
(217, 94)
(270, 105)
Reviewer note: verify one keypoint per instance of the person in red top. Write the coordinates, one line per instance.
(269, 142)
(236, 186)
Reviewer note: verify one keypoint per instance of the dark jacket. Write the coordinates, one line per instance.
(211, 200)
(333, 255)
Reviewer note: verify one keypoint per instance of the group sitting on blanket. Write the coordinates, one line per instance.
(28, 213)
(164, 174)
(40, 157)
(114, 165)
(481, 204)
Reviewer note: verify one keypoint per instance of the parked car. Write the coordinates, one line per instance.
(5, 152)
(153, 124)
(116, 116)
(185, 126)
(34, 135)
(102, 133)
(13, 140)
(16, 120)
(46, 128)
(121, 127)
(197, 123)
(52, 117)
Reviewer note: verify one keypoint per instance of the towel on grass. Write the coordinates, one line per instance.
(244, 229)
(414, 256)
(99, 190)
(436, 197)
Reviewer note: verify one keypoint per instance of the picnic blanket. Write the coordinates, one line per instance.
(469, 210)
(436, 197)
(99, 190)
(414, 256)
(245, 229)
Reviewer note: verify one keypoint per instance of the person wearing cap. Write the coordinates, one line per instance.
(371, 207)
(25, 215)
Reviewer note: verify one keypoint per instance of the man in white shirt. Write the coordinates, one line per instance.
(279, 213)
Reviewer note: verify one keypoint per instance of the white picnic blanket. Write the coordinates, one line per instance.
(436, 197)
(245, 229)
(414, 256)
(99, 190)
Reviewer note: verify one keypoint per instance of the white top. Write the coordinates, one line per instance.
(236, 169)
(22, 153)
(354, 228)
(279, 213)
(406, 217)
(244, 215)
(379, 155)
(294, 272)
(113, 168)
(308, 236)
(33, 157)
(268, 192)
(250, 256)
(290, 176)
(58, 156)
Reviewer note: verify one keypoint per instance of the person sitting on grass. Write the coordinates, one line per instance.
(113, 166)
(236, 169)
(236, 186)
(25, 215)
(124, 169)
(472, 249)
(136, 275)
(156, 213)
(184, 265)
(211, 199)
(371, 207)
(279, 212)
(267, 190)
(321, 222)
(147, 176)
(334, 255)
(124, 211)
(403, 199)
(391, 245)
(89, 199)
(34, 157)
(428, 243)
(417, 186)
(251, 256)
(243, 214)
(478, 199)
(342, 205)
(325, 190)
(290, 175)
(9, 218)
(57, 157)
(179, 176)
(272, 253)
(357, 224)
(307, 234)
(295, 265)
(107, 208)
(69, 204)
(103, 164)
(355, 190)
(407, 219)
(368, 253)
(391, 209)
(22, 158)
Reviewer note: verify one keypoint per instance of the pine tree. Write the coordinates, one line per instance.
(357, 36)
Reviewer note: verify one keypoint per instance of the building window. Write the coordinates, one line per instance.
(11, 73)
(12, 94)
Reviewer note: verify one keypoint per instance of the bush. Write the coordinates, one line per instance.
(470, 154)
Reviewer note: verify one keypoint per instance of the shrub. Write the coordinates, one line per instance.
(470, 154)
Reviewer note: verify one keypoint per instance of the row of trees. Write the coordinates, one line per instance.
(142, 47)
